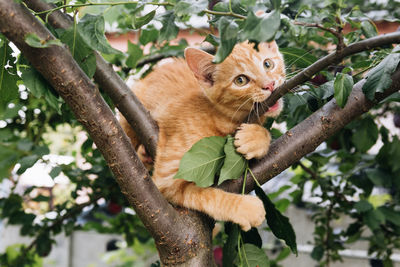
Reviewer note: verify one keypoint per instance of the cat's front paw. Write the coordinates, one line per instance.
(251, 212)
(252, 140)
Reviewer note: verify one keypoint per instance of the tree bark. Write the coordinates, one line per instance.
(180, 235)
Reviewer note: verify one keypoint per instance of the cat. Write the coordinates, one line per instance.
(196, 98)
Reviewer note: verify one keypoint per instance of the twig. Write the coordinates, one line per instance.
(308, 170)
(328, 233)
(100, 4)
(221, 13)
(319, 26)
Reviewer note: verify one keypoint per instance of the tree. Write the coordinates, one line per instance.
(331, 105)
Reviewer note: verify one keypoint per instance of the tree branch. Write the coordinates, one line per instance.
(319, 65)
(319, 26)
(123, 98)
(300, 78)
(176, 233)
(309, 134)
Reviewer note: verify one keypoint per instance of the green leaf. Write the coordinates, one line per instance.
(379, 78)
(39, 87)
(390, 215)
(392, 98)
(81, 52)
(12, 112)
(252, 237)
(43, 244)
(368, 29)
(324, 91)
(230, 247)
(261, 29)
(27, 162)
(234, 163)
(203, 161)
(228, 37)
(389, 155)
(41, 198)
(8, 77)
(189, 7)
(25, 145)
(141, 21)
(32, 79)
(135, 53)
(276, 4)
(279, 224)
(148, 35)
(55, 172)
(379, 177)
(373, 219)
(285, 252)
(252, 256)
(33, 40)
(169, 29)
(5, 134)
(297, 56)
(366, 134)
(343, 85)
(317, 253)
(8, 158)
(91, 28)
(363, 206)
(282, 204)
(212, 39)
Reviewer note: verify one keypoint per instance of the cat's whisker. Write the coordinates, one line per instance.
(237, 110)
(258, 116)
(298, 58)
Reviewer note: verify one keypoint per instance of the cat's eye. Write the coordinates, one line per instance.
(268, 64)
(241, 80)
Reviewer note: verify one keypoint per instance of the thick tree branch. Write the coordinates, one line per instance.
(175, 241)
(310, 133)
(108, 80)
(321, 64)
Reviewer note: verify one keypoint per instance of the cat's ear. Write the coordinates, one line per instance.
(270, 46)
(200, 62)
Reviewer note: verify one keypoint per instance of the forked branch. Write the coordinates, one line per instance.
(58, 67)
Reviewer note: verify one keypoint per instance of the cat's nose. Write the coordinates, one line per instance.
(269, 86)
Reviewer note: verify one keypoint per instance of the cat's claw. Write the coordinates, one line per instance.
(251, 213)
(252, 140)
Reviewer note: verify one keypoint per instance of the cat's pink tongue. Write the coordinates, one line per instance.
(274, 107)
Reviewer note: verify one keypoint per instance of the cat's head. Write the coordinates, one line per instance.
(246, 76)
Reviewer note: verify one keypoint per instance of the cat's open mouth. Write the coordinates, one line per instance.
(274, 107)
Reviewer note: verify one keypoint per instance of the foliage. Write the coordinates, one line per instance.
(351, 175)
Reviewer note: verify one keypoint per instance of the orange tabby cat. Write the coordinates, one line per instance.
(195, 98)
